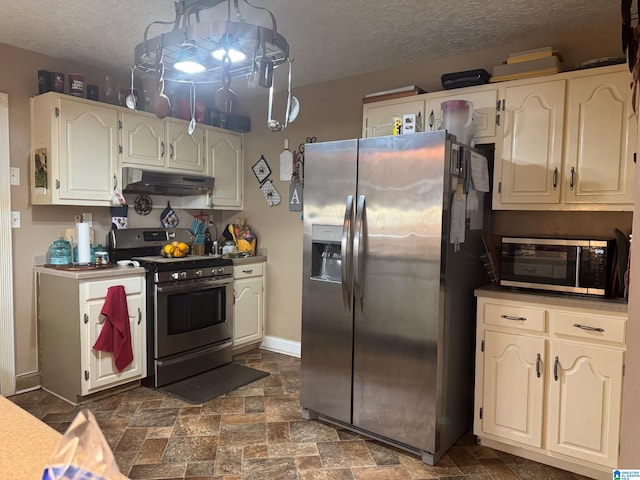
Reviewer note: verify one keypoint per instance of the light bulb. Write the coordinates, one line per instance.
(189, 66)
(234, 55)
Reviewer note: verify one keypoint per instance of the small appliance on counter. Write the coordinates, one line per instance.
(583, 266)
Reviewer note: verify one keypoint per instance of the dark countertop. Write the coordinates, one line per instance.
(560, 299)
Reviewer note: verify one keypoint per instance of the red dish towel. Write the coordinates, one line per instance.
(116, 333)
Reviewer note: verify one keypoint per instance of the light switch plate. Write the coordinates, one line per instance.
(15, 219)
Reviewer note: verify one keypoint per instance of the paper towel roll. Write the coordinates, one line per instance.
(84, 242)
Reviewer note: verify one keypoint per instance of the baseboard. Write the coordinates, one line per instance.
(27, 382)
(281, 345)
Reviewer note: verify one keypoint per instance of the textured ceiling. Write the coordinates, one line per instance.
(329, 39)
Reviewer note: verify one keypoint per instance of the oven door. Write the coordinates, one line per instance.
(192, 314)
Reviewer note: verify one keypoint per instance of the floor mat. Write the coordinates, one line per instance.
(208, 385)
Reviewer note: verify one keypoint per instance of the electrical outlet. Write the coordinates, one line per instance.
(88, 218)
(15, 176)
(15, 219)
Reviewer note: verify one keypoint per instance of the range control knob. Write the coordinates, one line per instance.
(198, 273)
(220, 270)
(183, 275)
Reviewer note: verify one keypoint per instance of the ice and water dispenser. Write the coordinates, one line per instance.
(326, 259)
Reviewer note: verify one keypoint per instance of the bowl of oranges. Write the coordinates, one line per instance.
(175, 250)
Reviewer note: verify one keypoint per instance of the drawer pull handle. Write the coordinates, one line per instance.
(139, 315)
(555, 369)
(587, 327)
(538, 362)
(247, 271)
(511, 317)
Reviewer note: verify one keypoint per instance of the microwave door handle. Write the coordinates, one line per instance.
(358, 251)
(578, 257)
(346, 247)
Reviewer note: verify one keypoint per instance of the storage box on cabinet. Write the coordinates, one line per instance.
(550, 390)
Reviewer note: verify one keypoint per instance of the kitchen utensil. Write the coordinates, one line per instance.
(286, 162)
(192, 107)
(295, 109)
(252, 81)
(275, 125)
(163, 104)
(457, 117)
(130, 101)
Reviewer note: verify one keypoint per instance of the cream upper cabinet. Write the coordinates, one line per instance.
(143, 140)
(528, 157)
(566, 142)
(600, 140)
(74, 151)
(151, 142)
(484, 99)
(379, 117)
(549, 380)
(186, 152)
(227, 167)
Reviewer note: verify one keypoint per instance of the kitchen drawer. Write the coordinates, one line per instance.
(98, 289)
(514, 316)
(248, 270)
(588, 327)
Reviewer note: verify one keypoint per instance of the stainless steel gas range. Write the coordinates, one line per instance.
(189, 304)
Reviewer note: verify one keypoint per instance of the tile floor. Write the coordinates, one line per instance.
(257, 433)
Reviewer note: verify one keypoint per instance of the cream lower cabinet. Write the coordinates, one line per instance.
(248, 305)
(68, 329)
(549, 383)
(74, 151)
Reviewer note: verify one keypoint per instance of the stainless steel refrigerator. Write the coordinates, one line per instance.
(389, 269)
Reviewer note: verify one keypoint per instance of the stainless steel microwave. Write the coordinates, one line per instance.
(561, 265)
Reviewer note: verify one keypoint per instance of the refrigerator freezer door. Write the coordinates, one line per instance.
(327, 322)
(395, 356)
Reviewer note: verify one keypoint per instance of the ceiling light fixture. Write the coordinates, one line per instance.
(194, 50)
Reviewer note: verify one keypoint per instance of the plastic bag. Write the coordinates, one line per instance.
(83, 453)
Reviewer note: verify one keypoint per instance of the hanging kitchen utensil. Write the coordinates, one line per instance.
(252, 81)
(270, 193)
(192, 106)
(275, 125)
(286, 162)
(130, 101)
(163, 104)
(295, 108)
(168, 217)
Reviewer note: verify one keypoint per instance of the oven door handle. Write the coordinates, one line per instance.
(193, 285)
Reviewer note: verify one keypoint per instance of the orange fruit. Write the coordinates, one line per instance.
(183, 247)
(168, 249)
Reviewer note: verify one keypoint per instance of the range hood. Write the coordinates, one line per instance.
(137, 180)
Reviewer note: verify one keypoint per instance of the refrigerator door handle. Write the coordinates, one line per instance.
(346, 247)
(358, 251)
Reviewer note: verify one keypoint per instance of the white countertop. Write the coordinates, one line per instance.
(248, 260)
(560, 299)
(116, 271)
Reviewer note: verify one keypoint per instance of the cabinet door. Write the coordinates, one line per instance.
(601, 138)
(529, 157)
(143, 140)
(99, 370)
(585, 395)
(484, 113)
(87, 153)
(226, 160)
(513, 387)
(186, 152)
(379, 119)
(248, 311)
